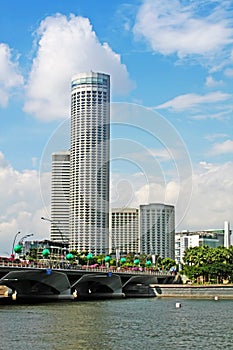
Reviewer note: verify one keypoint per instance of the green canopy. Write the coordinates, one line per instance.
(45, 252)
(89, 256)
(136, 261)
(69, 256)
(18, 248)
(107, 258)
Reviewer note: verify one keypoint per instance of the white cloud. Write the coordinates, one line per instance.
(129, 190)
(198, 29)
(225, 147)
(21, 205)
(210, 203)
(189, 101)
(9, 74)
(211, 82)
(212, 195)
(162, 154)
(212, 137)
(161, 186)
(222, 115)
(67, 46)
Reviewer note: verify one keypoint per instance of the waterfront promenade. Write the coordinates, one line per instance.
(205, 291)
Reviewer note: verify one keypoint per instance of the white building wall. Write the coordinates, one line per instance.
(124, 230)
(89, 162)
(60, 192)
(226, 234)
(157, 230)
(188, 242)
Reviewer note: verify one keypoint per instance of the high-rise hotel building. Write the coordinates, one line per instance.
(157, 230)
(89, 162)
(124, 230)
(60, 196)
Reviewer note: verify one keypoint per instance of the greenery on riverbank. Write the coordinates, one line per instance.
(208, 265)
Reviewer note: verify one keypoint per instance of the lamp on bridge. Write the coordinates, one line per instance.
(21, 243)
(18, 248)
(12, 251)
(26, 236)
(63, 243)
(55, 224)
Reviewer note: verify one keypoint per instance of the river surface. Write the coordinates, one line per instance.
(127, 324)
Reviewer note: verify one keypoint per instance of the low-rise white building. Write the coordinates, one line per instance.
(212, 238)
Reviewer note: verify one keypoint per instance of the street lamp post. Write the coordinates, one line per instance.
(12, 251)
(61, 234)
(53, 222)
(26, 236)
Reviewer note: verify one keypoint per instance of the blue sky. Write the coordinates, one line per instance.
(171, 67)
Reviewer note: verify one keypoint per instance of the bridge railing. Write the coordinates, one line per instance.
(65, 266)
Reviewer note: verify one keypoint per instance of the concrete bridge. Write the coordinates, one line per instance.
(44, 284)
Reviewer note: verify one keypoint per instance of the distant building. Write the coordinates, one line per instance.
(60, 193)
(34, 249)
(157, 230)
(124, 230)
(227, 233)
(212, 238)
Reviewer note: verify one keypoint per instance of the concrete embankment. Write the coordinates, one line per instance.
(190, 291)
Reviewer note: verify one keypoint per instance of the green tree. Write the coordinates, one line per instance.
(167, 263)
(212, 264)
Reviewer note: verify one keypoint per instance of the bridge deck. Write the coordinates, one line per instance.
(63, 283)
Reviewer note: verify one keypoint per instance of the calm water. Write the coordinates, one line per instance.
(127, 324)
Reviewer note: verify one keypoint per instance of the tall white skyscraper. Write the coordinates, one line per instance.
(157, 230)
(89, 162)
(60, 193)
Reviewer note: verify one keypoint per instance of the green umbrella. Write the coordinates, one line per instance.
(148, 263)
(136, 261)
(89, 256)
(123, 260)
